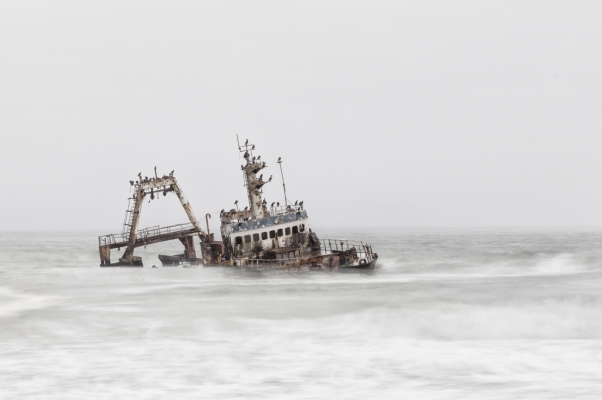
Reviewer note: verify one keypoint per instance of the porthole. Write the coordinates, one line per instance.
(264, 235)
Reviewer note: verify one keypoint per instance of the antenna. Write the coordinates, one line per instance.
(283, 185)
(247, 147)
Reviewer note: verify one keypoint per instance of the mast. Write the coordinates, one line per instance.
(283, 185)
(252, 182)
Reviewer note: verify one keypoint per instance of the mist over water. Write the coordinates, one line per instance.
(446, 315)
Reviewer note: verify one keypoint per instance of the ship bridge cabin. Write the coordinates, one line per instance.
(281, 234)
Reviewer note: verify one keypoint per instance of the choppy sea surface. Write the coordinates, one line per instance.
(446, 315)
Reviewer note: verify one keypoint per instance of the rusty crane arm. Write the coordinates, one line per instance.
(130, 237)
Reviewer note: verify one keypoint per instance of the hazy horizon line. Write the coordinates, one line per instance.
(355, 228)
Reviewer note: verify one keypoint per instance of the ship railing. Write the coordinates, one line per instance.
(363, 250)
(145, 233)
(107, 240)
(158, 230)
(283, 210)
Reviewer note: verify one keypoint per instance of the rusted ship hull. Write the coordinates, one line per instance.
(171, 261)
(330, 255)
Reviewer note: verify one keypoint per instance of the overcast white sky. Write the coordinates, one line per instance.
(387, 114)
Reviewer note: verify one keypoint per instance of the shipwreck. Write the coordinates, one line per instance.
(257, 237)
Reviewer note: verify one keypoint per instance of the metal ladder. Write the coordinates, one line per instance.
(129, 217)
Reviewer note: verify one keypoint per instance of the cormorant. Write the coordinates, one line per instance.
(279, 159)
(278, 204)
(247, 142)
(273, 204)
(270, 180)
(296, 202)
(246, 155)
(261, 177)
(246, 208)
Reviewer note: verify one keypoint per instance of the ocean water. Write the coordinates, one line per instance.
(446, 315)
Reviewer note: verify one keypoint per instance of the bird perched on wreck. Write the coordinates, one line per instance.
(273, 204)
(270, 180)
(247, 142)
(246, 155)
(171, 173)
(261, 177)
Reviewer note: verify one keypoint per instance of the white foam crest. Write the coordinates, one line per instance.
(550, 320)
(13, 304)
(560, 264)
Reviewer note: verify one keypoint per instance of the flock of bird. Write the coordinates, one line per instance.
(246, 156)
(298, 205)
(147, 179)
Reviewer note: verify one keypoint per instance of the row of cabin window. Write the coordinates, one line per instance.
(264, 235)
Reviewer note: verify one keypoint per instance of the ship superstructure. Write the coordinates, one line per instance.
(262, 232)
